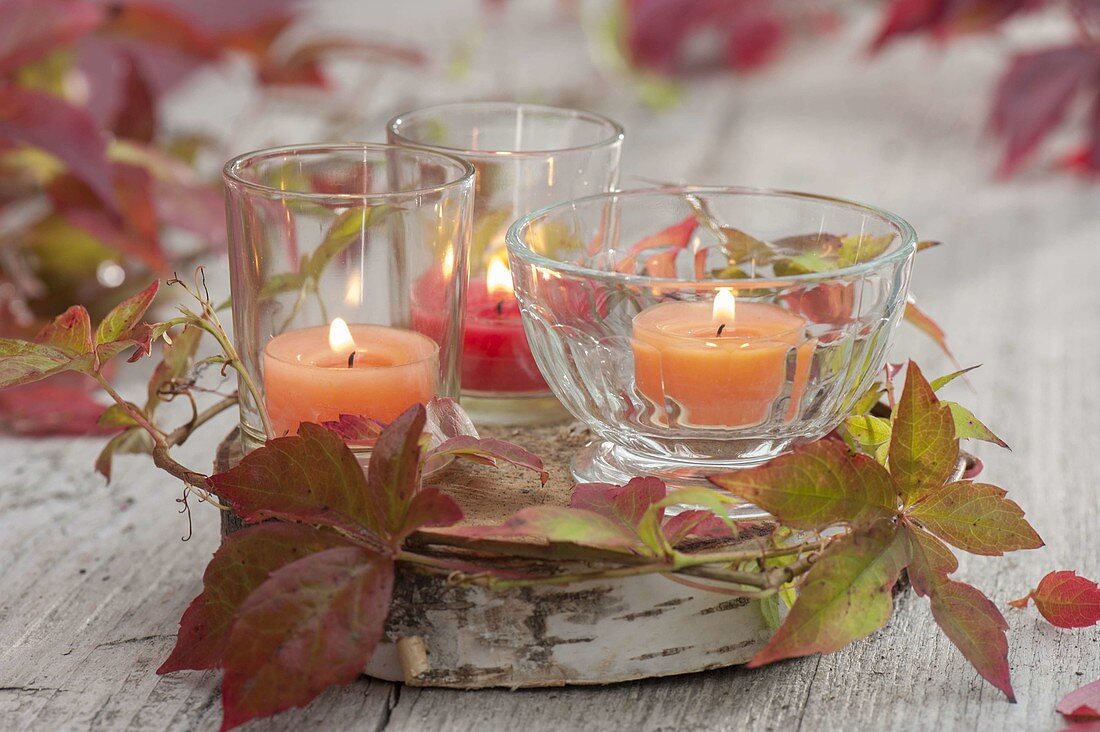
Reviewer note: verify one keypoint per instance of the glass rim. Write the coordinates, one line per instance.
(231, 171)
(517, 246)
(616, 137)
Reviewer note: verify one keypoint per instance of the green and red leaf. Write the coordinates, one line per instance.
(924, 450)
(975, 517)
(124, 318)
(559, 525)
(313, 624)
(817, 485)
(930, 560)
(974, 624)
(1065, 599)
(242, 563)
(844, 597)
(70, 332)
(488, 450)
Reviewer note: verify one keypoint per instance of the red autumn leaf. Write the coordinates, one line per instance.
(943, 18)
(923, 322)
(696, 522)
(430, 507)
(160, 26)
(663, 35)
(625, 504)
(242, 563)
(844, 597)
(135, 233)
(1035, 93)
(394, 471)
(817, 485)
(310, 477)
(967, 617)
(30, 29)
(756, 39)
(136, 116)
(61, 406)
(1065, 600)
(61, 129)
(488, 450)
(976, 627)
(923, 446)
(355, 428)
(181, 199)
(671, 240)
(930, 560)
(313, 624)
(1081, 704)
(1087, 160)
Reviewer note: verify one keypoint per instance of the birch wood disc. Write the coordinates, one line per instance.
(442, 634)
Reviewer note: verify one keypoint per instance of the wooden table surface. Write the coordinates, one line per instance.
(93, 579)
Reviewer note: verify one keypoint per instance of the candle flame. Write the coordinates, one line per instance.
(339, 337)
(353, 294)
(448, 265)
(725, 307)
(498, 279)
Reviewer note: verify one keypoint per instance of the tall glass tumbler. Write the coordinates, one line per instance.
(527, 157)
(347, 267)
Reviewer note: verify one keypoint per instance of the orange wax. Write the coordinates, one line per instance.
(729, 380)
(307, 380)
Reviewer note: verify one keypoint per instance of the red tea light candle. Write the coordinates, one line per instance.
(375, 371)
(721, 364)
(495, 354)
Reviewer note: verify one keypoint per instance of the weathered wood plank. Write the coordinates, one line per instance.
(1016, 288)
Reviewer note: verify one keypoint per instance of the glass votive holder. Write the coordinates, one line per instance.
(700, 330)
(347, 281)
(527, 157)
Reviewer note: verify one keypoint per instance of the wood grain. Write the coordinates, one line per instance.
(93, 580)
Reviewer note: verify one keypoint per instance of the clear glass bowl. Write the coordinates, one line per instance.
(697, 330)
(527, 157)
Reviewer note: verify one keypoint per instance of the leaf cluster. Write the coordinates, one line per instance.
(294, 605)
(903, 505)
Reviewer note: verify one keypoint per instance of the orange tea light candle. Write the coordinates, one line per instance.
(720, 364)
(317, 374)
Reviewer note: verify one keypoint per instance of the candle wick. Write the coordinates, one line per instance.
(500, 307)
(721, 328)
(351, 359)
